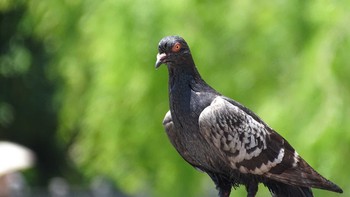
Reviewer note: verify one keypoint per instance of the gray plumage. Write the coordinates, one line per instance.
(225, 139)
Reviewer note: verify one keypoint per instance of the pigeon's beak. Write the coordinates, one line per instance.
(160, 59)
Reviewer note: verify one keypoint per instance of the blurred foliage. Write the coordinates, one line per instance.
(78, 84)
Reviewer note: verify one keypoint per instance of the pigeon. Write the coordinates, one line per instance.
(226, 140)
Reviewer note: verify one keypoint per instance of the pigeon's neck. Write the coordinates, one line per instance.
(183, 69)
(182, 79)
(185, 84)
(183, 76)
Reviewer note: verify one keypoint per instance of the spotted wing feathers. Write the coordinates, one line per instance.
(243, 139)
(252, 147)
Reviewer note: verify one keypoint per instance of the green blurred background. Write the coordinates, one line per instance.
(79, 88)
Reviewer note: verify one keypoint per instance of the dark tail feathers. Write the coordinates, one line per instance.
(283, 190)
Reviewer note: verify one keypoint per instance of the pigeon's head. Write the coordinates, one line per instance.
(172, 50)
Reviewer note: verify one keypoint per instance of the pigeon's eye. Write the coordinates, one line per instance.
(176, 47)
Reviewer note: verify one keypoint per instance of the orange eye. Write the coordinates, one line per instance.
(176, 47)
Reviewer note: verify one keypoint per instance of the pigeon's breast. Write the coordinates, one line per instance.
(185, 113)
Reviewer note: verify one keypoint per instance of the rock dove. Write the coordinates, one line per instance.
(226, 140)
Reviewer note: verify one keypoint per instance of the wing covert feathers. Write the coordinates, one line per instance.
(253, 147)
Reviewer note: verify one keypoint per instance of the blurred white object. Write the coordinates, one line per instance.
(14, 157)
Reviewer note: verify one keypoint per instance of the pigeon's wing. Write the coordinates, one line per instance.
(252, 147)
(246, 142)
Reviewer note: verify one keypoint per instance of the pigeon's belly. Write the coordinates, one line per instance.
(191, 143)
(194, 148)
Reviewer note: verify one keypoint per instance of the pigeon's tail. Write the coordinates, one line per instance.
(305, 176)
(284, 190)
